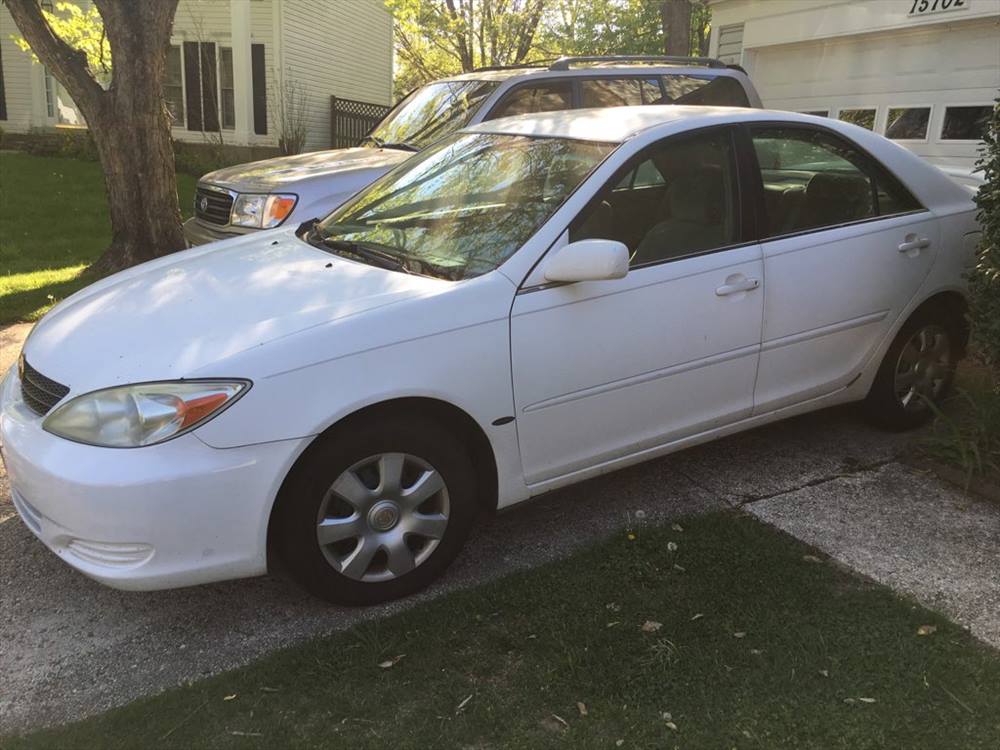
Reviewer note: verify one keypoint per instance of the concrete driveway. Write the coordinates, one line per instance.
(70, 647)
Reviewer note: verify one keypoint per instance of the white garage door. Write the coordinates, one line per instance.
(932, 75)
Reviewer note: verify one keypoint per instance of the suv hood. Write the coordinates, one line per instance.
(274, 174)
(176, 316)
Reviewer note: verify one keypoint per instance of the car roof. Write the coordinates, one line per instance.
(616, 124)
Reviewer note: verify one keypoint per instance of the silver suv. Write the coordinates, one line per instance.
(267, 194)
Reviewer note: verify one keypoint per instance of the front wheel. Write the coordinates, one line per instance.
(376, 511)
(917, 371)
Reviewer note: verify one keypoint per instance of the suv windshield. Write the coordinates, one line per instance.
(463, 207)
(432, 112)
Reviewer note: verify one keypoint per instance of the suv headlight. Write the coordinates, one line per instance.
(131, 416)
(262, 211)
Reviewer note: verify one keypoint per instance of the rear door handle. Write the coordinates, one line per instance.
(743, 285)
(917, 243)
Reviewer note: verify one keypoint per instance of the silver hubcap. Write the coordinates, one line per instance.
(383, 517)
(923, 368)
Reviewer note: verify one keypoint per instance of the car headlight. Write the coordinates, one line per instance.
(261, 211)
(131, 416)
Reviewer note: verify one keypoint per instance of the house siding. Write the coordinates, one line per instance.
(336, 48)
(17, 77)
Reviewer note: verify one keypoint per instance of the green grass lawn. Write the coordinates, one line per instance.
(751, 640)
(53, 224)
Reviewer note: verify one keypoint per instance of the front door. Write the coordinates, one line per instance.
(607, 369)
(846, 247)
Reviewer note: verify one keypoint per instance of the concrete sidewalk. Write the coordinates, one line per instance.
(907, 530)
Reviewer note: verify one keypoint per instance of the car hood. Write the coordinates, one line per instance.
(189, 312)
(284, 172)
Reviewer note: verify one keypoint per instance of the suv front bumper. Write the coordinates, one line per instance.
(197, 232)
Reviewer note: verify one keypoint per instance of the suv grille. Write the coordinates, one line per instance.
(39, 392)
(212, 206)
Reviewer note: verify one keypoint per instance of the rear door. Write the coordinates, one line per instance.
(846, 246)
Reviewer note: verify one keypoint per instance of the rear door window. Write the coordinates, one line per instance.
(813, 179)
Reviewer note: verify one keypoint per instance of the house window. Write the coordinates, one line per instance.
(862, 117)
(730, 44)
(965, 123)
(907, 123)
(226, 93)
(816, 112)
(173, 87)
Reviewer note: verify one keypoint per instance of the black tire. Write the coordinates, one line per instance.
(883, 406)
(301, 497)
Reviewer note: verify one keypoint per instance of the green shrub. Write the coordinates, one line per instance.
(984, 281)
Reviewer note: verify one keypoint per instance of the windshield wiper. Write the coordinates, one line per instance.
(402, 146)
(373, 139)
(366, 252)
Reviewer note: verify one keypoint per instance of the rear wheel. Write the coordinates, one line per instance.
(917, 371)
(376, 511)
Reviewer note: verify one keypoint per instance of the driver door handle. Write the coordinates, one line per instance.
(918, 243)
(744, 285)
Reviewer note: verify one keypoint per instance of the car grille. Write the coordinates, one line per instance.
(212, 206)
(39, 392)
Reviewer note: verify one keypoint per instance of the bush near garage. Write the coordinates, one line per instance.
(984, 281)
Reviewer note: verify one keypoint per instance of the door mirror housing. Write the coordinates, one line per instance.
(588, 260)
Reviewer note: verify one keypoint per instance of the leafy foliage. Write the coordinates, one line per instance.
(81, 29)
(984, 282)
(433, 41)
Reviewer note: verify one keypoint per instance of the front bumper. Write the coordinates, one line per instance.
(197, 232)
(164, 516)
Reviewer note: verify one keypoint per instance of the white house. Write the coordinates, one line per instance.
(924, 72)
(229, 62)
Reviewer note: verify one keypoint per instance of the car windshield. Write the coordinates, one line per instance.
(432, 112)
(463, 207)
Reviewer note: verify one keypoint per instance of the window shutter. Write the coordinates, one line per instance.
(259, 89)
(3, 94)
(731, 44)
(192, 86)
(209, 87)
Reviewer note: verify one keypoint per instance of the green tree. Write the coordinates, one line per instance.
(125, 112)
(82, 30)
(984, 282)
(443, 37)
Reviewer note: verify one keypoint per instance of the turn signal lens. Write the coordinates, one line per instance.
(277, 209)
(136, 415)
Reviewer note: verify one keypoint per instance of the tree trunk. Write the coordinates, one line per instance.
(128, 121)
(675, 16)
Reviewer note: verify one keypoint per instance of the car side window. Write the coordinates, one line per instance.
(544, 97)
(610, 92)
(717, 91)
(813, 179)
(679, 198)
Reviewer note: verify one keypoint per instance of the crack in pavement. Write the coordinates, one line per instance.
(748, 498)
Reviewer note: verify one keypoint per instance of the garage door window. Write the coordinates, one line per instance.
(965, 123)
(862, 117)
(908, 123)
(813, 179)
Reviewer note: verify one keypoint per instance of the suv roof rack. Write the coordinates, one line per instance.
(516, 66)
(564, 63)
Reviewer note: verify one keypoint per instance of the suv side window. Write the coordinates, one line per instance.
(679, 199)
(620, 92)
(717, 91)
(814, 179)
(543, 97)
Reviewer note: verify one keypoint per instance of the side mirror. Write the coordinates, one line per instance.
(588, 260)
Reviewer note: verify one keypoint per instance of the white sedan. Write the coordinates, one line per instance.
(531, 302)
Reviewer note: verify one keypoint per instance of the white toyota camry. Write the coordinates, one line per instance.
(531, 302)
